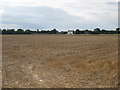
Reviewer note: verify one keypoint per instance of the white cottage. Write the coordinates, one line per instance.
(70, 32)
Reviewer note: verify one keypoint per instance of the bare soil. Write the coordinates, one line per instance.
(60, 61)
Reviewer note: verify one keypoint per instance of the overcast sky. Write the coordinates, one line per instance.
(59, 14)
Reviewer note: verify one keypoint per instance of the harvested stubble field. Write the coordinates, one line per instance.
(60, 61)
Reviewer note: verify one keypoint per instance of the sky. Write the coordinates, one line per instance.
(59, 14)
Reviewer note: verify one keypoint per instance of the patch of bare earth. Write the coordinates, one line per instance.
(60, 61)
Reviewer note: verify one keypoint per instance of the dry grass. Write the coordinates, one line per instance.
(60, 61)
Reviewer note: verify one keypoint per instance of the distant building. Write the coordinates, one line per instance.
(70, 32)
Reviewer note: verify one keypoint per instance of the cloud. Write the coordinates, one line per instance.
(38, 17)
(62, 14)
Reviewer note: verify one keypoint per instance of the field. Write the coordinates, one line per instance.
(60, 61)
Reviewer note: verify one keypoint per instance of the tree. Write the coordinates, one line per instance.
(54, 31)
(20, 31)
(103, 31)
(97, 30)
(10, 31)
(27, 31)
(4, 31)
(86, 31)
(38, 31)
(0, 31)
(117, 30)
(77, 31)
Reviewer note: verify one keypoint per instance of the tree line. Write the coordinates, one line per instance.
(55, 31)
